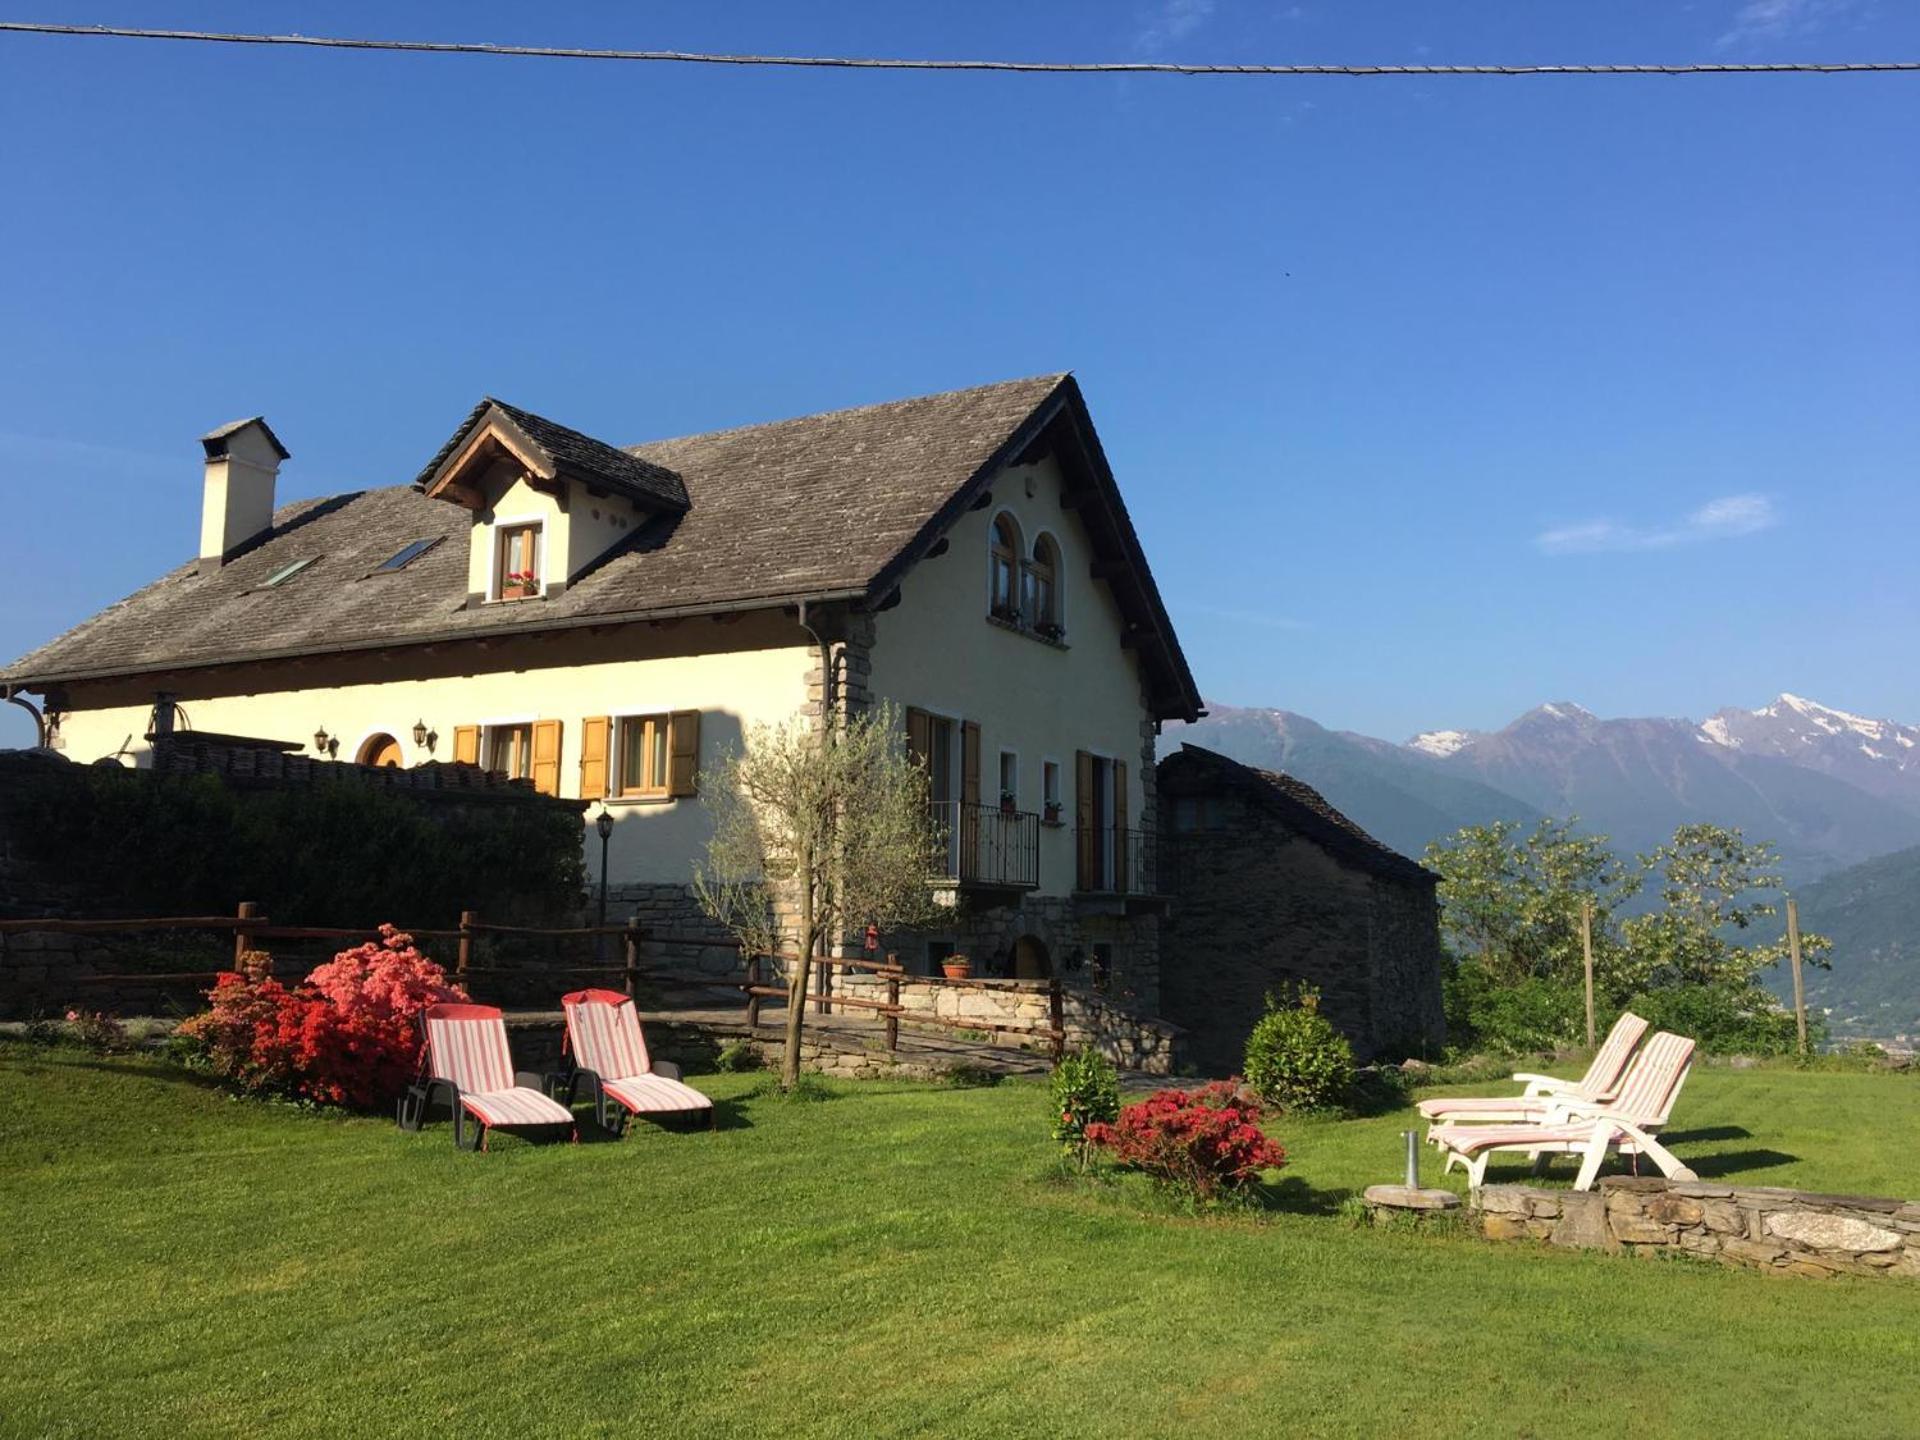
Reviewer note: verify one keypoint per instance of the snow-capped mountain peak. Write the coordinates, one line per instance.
(1876, 755)
(1442, 742)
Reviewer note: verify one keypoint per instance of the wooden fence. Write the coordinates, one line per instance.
(251, 930)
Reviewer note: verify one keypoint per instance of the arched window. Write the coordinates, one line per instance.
(1002, 589)
(1040, 587)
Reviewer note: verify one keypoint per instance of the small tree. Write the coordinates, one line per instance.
(1513, 905)
(831, 823)
(1715, 885)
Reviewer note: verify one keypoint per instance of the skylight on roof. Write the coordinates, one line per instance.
(287, 572)
(407, 555)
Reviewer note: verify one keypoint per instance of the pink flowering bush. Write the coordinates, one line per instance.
(1203, 1142)
(97, 1031)
(347, 1035)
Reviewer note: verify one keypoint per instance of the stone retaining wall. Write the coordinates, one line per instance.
(1787, 1231)
(1131, 1040)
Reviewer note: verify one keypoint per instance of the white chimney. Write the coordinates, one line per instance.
(243, 461)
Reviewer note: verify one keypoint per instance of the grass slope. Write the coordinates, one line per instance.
(895, 1260)
(1871, 912)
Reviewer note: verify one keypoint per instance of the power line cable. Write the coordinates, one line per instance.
(1021, 67)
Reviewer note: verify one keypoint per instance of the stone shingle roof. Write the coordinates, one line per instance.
(574, 454)
(831, 506)
(1297, 804)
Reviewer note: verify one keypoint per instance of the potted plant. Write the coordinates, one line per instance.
(956, 967)
(1008, 613)
(1052, 813)
(1006, 802)
(519, 585)
(1051, 629)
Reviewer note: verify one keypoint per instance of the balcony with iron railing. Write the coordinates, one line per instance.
(1112, 863)
(986, 846)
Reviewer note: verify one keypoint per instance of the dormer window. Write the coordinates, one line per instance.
(1003, 596)
(516, 566)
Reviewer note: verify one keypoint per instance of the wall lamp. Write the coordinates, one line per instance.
(424, 738)
(324, 742)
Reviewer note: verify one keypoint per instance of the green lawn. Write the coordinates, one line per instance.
(894, 1260)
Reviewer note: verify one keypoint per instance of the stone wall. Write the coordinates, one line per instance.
(1257, 908)
(1794, 1232)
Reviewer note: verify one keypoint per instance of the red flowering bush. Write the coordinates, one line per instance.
(1203, 1141)
(348, 1035)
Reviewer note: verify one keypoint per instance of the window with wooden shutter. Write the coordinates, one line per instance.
(969, 763)
(545, 768)
(1120, 825)
(920, 737)
(684, 743)
(1085, 853)
(466, 744)
(596, 750)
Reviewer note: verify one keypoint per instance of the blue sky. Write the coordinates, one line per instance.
(1432, 398)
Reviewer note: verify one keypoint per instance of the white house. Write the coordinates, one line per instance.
(604, 621)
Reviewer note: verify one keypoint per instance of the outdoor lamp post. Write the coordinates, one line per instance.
(603, 823)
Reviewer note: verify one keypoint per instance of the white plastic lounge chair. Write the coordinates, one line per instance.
(467, 1065)
(1627, 1124)
(1599, 1085)
(611, 1061)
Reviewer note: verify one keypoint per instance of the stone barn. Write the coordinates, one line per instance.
(1270, 885)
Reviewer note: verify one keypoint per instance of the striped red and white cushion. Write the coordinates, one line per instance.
(1611, 1058)
(606, 1039)
(517, 1106)
(471, 1053)
(1647, 1093)
(1468, 1138)
(655, 1094)
(1481, 1105)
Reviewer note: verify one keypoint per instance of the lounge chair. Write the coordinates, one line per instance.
(1598, 1085)
(467, 1065)
(611, 1063)
(1628, 1123)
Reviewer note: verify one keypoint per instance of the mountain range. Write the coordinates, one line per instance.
(1838, 794)
(1829, 788)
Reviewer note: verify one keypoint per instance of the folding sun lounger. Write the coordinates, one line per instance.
(1573, 1127)
(611, 1061)
(1597, 1086)
(469, 1068)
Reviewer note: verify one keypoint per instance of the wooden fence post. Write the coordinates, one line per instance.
(243, 937)
(1586, 955)
(632, 938)
(1799, 991)
(1057, 1013)
(823, 984)
(753, 1000)
(893, 1001)
(468, 919)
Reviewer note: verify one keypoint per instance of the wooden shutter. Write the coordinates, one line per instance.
(1083, 847)
(683, 752)
(466, 744)
(1120, 825)
(969, 762)
(920, 738)
(546, 756)
(596, 752)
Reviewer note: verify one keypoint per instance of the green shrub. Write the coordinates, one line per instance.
(1296, 1060)
(340, 853)
(1512, 1018)
(1086, 1091)
(1726, 1020)
(736, 1056)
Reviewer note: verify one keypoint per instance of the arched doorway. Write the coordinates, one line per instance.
(1030, 959)
(380, 750)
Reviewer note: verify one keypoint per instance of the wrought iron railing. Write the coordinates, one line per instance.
(987, 845)
(1111, 860)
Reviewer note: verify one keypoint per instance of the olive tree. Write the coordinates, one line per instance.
(817, 830)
